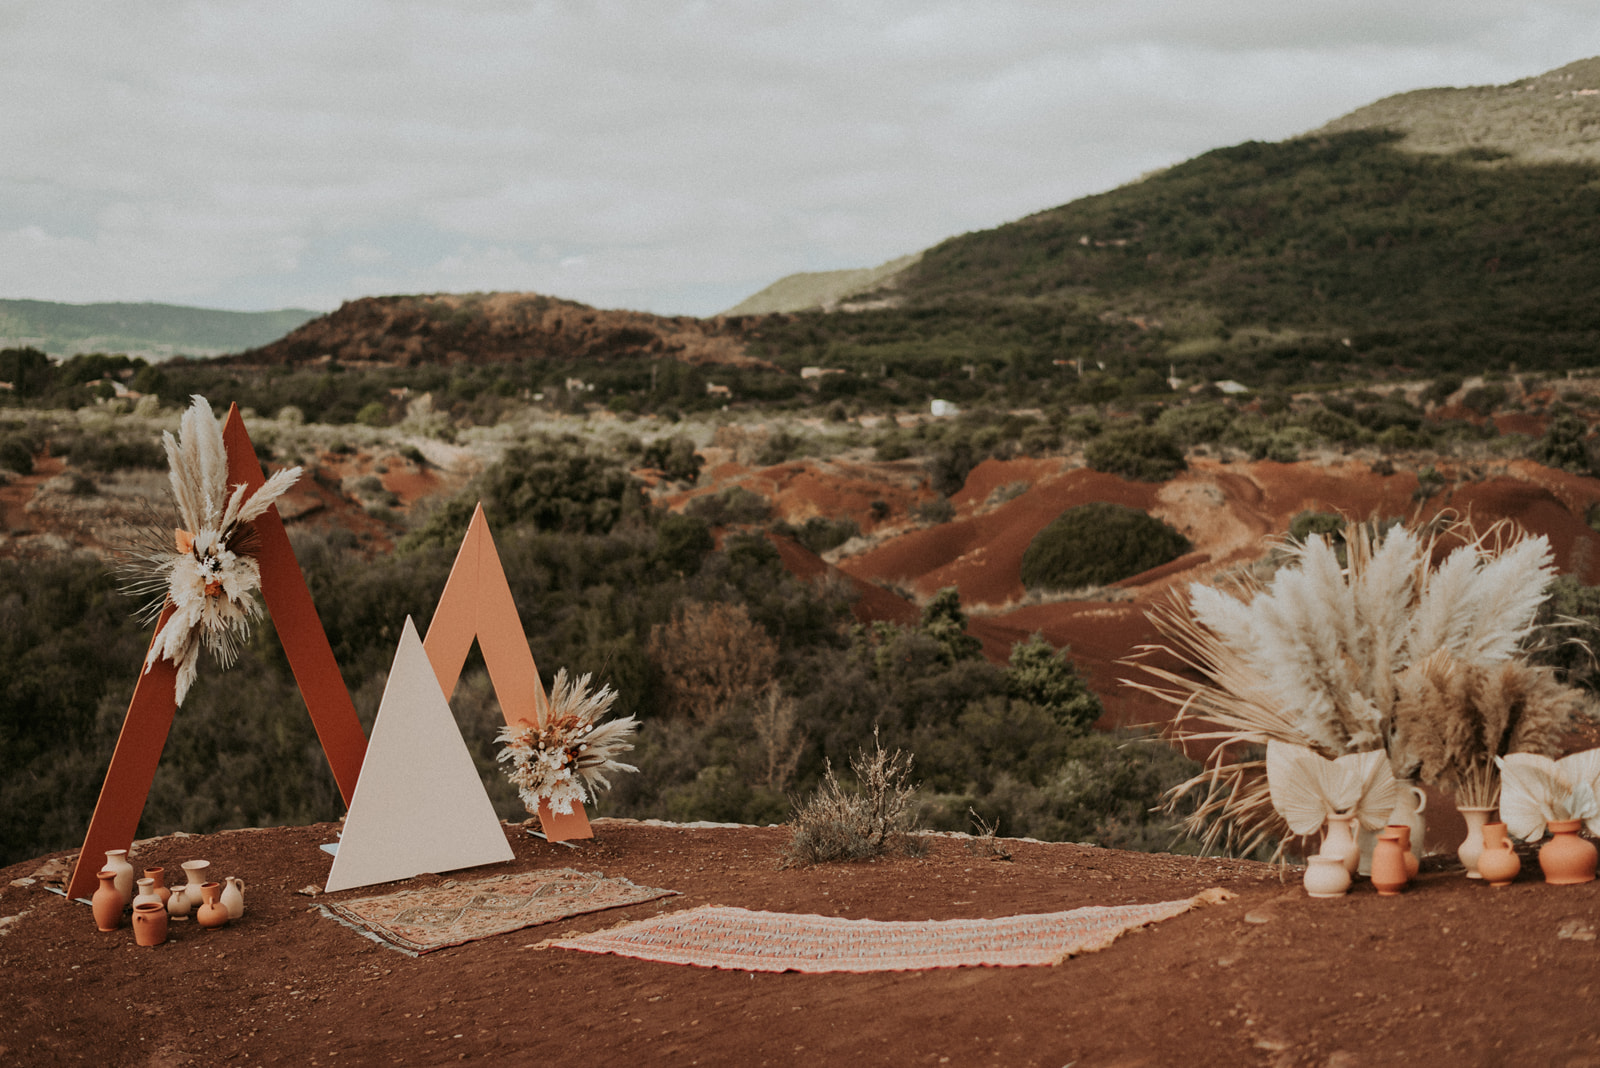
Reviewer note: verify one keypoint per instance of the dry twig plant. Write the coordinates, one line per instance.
(841, 824)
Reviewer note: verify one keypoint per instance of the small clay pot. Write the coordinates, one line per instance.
(1326, 875)
(1413, 865)
(213, 913)
(107, 902)
(149, 923)
(1389, 869)
(157, 876)
(1567, 859)
(1498, 863)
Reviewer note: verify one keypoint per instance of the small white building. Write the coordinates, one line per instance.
(942, 408)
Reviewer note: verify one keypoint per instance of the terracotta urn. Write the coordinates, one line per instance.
(1498, 864)
(1472, 845)
(149, 923)
(196, 872)
(1567, 858)
(147, 892)
(117, 862)
(159, 877)
(107, 902)
(1340, 841)
(213, 913)
(1389, 871)
(233, 896)
(1327, 876)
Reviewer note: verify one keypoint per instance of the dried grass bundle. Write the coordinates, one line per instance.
(565, 758)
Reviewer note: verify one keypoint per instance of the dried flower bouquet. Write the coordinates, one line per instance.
(565, 757)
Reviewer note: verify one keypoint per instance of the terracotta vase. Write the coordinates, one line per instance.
(213, 913)
(196, 872)
(149, 923)
(1410, 802)
(1413, 865)
(147, 892)
(1340, 841)
(233, 896)
(1567, 859)
(159, 877)
(117, 862)
(1326, 876)
(1498, 864)
(107, 902)
(1471, 847)
(1389, 863)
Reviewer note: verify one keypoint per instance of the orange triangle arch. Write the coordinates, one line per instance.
(305, 643)
(477, 604)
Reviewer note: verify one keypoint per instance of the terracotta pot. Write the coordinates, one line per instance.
(1413, 865)
(1340, 841)
(213, 913)
(149, 923)
(1410, 802)
(233, 896)
(159, 877)
(1326, 876)
(107, 902)
(196, 872)
(117, 862)
(1389, 863)
(1471, 847)
(1567, 858)
(1498, 863)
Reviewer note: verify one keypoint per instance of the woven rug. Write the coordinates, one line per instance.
(738, 939)
(421, 921)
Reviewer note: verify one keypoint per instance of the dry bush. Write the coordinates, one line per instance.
(873, 821)
(711, 656)
(776, 726)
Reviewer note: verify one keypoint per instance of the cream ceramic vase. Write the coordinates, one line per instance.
(1339, 840)
(178, 904)
(117, 863)
(196, 871)
(233, 896)
(1327, 876)
(147, 894)
(1471, 847)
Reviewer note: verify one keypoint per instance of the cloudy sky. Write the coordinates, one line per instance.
(663, 155)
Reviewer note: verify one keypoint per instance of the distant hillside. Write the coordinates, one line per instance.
(482, 328)
(154, 331)
(820, 289)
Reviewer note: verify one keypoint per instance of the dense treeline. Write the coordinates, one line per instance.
(749, 682)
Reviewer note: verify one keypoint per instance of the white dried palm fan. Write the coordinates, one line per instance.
(207, 572)
(1536, 789)
(1307, 787)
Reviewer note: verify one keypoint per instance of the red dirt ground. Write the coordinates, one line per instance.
(1450, 972)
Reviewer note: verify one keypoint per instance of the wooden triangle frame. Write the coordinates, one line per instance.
(305, 643)
(477, 603)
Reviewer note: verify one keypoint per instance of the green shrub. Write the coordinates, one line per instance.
(1043, 676)
(1145, 453)
(1099, 543)
(734, 505)
(819, 534)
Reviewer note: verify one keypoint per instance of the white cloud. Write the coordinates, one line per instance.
(673, 156)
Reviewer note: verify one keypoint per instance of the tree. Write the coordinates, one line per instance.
(944, 622)
(1044, 676)
(712, 656)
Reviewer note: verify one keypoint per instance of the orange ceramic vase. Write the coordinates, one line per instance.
(213, 913)
(1498, 864)
(149, 923)
(158, 877)
(1413, 865)
(107, 902)
(1567, 858)
(1389, 875)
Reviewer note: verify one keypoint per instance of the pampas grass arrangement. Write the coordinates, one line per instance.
(1385, 650)
(565, 757)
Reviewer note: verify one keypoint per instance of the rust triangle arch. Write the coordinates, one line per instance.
(420, 805)
(149, 719)
(477, 603)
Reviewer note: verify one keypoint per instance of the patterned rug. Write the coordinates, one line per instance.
(738, 939)
(421, 921)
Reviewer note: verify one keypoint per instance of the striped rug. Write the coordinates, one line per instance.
(742, 940)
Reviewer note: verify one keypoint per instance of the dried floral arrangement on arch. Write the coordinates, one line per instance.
(204, 569)
(564, 758)
(1415, 644)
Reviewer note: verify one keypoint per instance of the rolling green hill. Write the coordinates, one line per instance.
(154, 331)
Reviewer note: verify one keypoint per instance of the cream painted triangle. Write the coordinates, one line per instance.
(419, 804)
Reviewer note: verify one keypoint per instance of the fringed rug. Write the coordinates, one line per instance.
(741, 940)
(421, 921)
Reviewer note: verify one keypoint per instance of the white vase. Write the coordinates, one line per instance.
(196, 870)
(1471, 847)
(117, 861)
(1326, 876)
(1339, 840)
(147, 893)
(233, 897)
(1408, 805)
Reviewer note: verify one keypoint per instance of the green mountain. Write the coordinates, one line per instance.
(154, 331)
(1444, 231)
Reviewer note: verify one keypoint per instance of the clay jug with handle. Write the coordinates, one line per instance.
(1498, 863)
(233, 896)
